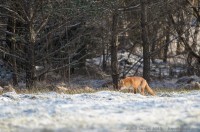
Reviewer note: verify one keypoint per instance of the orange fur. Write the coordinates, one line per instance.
(136, 83)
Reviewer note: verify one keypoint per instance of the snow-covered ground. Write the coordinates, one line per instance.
(102, 111)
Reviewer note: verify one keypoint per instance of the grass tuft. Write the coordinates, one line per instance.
(63, 88)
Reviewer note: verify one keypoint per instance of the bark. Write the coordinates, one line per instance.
(114, 48)
(30, 62)
(30, 80)
(104, 55)
(145, 43)
(154, 43)
(30, 49)
(195, 38)
(10, 41)
(167, 40)
(178, 47)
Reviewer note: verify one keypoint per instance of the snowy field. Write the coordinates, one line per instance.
(102, 111)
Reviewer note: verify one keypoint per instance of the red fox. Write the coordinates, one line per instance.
(136, 83)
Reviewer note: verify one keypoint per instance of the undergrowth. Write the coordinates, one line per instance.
(80, 90)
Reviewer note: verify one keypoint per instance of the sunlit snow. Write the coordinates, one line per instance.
(101, 111)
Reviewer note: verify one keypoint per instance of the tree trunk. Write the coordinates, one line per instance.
(178, 47)
(30, 65)
(167, 45)
(154, 42)
(144, 35)
(167, 35)
(104, 55)
(11, 42)
(30, 51)
(29, 69)
(114, 48)
(195, 38)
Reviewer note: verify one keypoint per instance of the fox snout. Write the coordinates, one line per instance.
(122, 88)
(121, 85)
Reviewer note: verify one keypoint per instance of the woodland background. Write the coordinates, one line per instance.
(39, 38)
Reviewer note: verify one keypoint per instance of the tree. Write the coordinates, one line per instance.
(145, 42)
(114, 49)
(42, 39)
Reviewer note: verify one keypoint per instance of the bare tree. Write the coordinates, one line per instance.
(114, 49)
(145, 42)
(42, 37)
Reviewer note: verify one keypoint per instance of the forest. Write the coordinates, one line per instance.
(44, 37)
(64, 64)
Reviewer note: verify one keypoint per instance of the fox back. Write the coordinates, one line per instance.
(136, 82)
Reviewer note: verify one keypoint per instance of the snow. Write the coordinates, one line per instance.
(100, 111)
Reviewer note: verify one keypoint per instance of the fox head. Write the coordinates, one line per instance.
(121, 85)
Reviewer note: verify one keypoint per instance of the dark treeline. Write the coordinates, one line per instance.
(59, 35)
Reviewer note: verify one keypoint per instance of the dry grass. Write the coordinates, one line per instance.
(42, 87)
(67, 91)
(63, 88)
(177, 90)
(166, 90)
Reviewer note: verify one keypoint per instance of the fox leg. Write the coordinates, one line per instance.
(142, 91)
(142, 87)
(135, 90)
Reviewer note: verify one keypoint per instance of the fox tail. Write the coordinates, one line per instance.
(150, 90)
